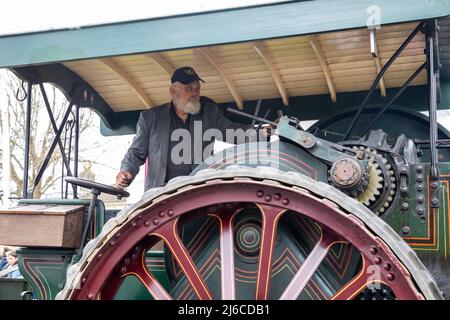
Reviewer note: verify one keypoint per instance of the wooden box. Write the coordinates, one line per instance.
(40, 225)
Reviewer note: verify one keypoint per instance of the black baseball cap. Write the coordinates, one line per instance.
(185, 75)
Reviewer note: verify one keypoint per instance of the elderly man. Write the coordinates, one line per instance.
(155, 139)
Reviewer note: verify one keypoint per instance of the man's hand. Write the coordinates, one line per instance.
(123, 179)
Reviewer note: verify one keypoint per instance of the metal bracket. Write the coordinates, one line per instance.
(321, 149)
(403, 171)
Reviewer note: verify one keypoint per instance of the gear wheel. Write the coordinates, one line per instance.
(380, 191)
(374, 186)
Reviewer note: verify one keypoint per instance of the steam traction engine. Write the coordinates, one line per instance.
(304, 216)
(296, 218)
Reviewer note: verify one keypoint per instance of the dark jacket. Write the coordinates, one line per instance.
(152, 138)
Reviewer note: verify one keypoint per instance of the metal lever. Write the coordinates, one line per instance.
(251, 116)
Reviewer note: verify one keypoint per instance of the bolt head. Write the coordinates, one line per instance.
(406, 230)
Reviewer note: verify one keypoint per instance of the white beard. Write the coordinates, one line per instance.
(191, 107)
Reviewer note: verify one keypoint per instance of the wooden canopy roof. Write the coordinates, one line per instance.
(327, 63)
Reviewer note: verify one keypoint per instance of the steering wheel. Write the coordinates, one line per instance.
(98, 186)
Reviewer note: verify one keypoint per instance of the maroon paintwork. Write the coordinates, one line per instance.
(124, 252)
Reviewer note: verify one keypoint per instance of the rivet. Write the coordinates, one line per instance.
(419, 169)
(170, 213)
(112, 243)
(90, 296)
(434, 185)
(140, 216)
(406, 230)
(126, 261)
(83, 280)
(277, 196)
(387, 266)
(268, 198)
(420, 199)
(434, 202)
(405, 206)
(285, 202)
(378, 260)
(390, 277)
(162, 214)
(419, 178)
(99, 256)
(118, 234)
(133, 223)
(259, 194)
(419, 187)
(420, 211)
(373, 250)
(123, 269)
(403, 190)
(146, 223)
(155, 221)
(134, 256)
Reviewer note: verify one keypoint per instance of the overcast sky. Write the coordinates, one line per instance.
(32, 15)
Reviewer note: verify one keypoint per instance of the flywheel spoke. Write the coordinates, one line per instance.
(309, 266)
(170, 236)
(154, 287)
(270, 216)
(356, 285)
(227, 254)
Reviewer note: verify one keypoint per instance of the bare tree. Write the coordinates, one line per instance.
(41, 134)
